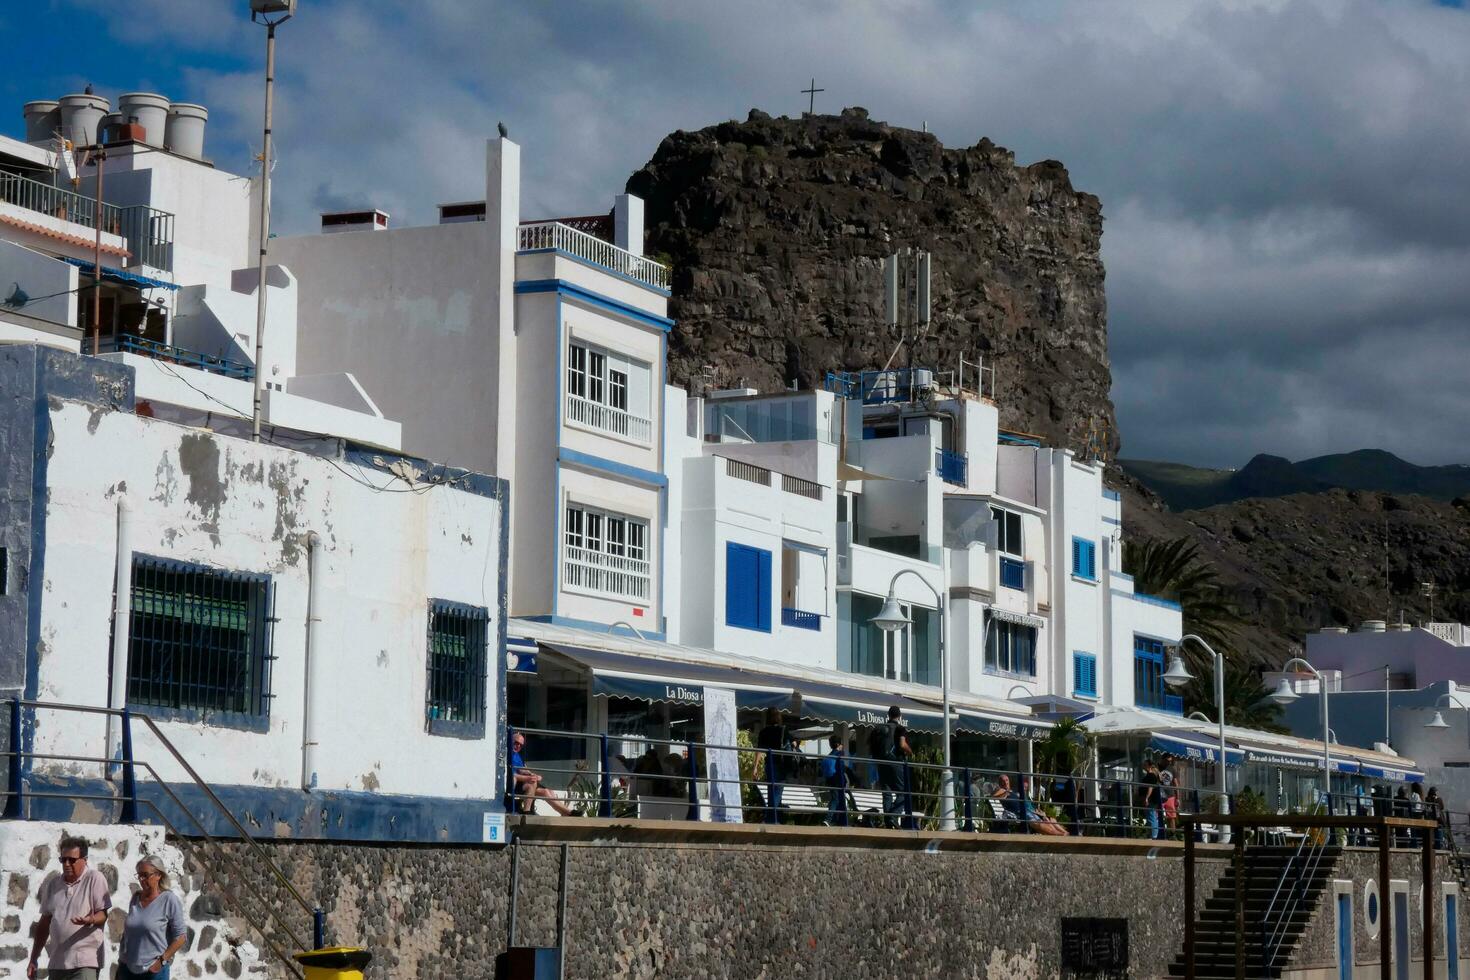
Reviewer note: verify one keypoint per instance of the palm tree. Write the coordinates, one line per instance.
(1066, 749)
(1247, 699)
(1174, 570)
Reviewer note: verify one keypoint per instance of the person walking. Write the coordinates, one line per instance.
(775, 738)
(73, 910)
(891, 746)
(154, 930)
(1168, 795)
(1435, 804)
(837, 776)
(1150, 801)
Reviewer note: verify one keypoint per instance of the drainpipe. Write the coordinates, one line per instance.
(309, 707)
(117, 694)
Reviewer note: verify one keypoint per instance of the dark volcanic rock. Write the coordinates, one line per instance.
(777, 230)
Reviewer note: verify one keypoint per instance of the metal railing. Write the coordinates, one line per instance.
(614, 575)
(129, 802)
(1012, 573)
(749, 472)
(605, 418)
(952, 467)
(801, 487)
(594, 775)
(1296, 878)
(893, 386)
(800, 619)
(149, 232)
(128, 344)
(564, 238)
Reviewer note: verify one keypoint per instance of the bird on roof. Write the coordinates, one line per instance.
(500, 128)
(88, 90)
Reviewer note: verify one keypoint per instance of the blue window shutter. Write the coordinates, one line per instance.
(763, 590)
(1090, 550)
(1076, 556)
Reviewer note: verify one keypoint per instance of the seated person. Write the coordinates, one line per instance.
(528, 784)
(1018, 807)
(1039, 820)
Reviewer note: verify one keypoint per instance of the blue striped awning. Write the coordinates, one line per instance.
(1192, 747)
(1391, 774)
(121, 275)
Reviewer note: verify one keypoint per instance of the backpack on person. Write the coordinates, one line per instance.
(880, 741)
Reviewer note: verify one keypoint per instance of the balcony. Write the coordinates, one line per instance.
(801, 620)
(149, 232)
(543, 235)
(611, 576)
(952, 467)
(127, 344)
(605, 418)
(893, 386)
(1012, 573)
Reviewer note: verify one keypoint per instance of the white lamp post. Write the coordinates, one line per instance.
(1445, 701)
(1177, 676)
(1285, 695)
(892, 618)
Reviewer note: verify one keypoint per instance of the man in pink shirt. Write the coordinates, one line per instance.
(73, 911)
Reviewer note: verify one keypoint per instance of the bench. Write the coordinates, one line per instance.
(999, 815)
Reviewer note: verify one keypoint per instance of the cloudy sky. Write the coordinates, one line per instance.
(1286, 184)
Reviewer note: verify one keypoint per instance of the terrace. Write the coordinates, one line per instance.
(564, 236)
(148, 231)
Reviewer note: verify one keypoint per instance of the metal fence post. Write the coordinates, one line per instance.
(318, 929)
(604, 806)
(693, 782)
(14, 800)
(969, 804)
(1196, 833)
(908, 796)
(129, 813)
(771, 816)
(510, 772)
(1024, 789)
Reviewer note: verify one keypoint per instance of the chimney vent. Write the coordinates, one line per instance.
(371, 220)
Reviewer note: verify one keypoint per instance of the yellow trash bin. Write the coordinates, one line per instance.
(334, 963)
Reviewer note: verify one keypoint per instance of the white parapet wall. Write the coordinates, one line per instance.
(218, 944)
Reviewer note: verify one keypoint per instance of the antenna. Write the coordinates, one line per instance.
(906, 296)
(1427, 590)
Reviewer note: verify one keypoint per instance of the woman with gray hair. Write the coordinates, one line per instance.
(154, 930)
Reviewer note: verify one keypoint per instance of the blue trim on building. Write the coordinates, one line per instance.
(663, 498)
(582, 294)
(1113, 521)
(1152, 600)
(237, 720)
(606, 269)
(561, 409)
(1111, 494)
(635, 473)
(594, 626)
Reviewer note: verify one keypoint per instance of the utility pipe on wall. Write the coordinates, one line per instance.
(117, 693)
(310, 686)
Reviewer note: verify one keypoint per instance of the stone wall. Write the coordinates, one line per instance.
(1318, 946)
(750, 902)
(28, 857)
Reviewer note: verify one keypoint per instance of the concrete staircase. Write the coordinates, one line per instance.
(1262, 875)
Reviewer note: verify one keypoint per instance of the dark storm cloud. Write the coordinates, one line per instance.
(1287, 202)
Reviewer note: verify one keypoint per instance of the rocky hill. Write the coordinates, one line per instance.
(777, 229)
(1190, 487)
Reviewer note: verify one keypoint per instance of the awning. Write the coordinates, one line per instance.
(1285, 760)
(1006, 616)
(855, 706)
(520, 655)
(1390, 774)
(622, 675)
(121, 275)
(1193, 747)
(1001, 726)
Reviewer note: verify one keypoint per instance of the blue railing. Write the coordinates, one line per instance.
(188, 358)
(1173, 704)
(1012, 573)
(799, 619)
(880, 387)
(952, 467)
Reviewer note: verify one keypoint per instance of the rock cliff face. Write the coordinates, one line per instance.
(777, 230)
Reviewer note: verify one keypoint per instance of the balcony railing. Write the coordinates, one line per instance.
(880, 387)
(801, 620)
(604, 574)
(952, 467)
(1012, 573)
(564, 238)
(596, 415)
(749, 472)
(149, 232)
(801, 487)
(178, 355)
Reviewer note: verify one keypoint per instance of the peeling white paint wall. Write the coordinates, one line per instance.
(224, 502)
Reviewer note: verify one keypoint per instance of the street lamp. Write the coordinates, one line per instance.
(1285, 695)
(1445, 700)
(1178, 675)
(270, 13)
(892, 618)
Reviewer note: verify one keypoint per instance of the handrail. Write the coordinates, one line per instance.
(245, 836)
(1271, 943)
(173, 829)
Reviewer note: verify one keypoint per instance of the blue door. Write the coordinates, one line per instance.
(1345, 937)
(1452, 935)
(1401, 935)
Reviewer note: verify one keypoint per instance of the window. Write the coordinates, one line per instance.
(608, 391)
(1010, 648)
(1008, 531)
(456, 690)
(199, 639)
(747, 587)
(910, 654)
(606, 553)
(1084, 558)
(803, 585)
(1084, 674)
(1148, 672)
